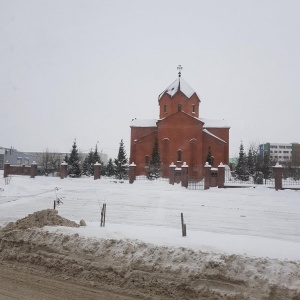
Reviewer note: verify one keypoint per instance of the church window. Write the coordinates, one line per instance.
(179, 107)
(147, 161)
(193, 108)
(179, 155)
(165, 108)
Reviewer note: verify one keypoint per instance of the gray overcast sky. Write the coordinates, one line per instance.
(84, 69)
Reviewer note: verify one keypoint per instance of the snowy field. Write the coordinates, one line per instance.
(258, 222)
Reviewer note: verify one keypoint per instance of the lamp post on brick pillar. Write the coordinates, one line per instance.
(132, 168)
(97, 171)
(278, 170)
(184, 175)
(33, 169)
(207, 176)
(63, 170)
(172, 173)
(6, 169)
(221, 176)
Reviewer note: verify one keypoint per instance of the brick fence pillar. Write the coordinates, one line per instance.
(33, 169)
(278, 170)
(97, 171)
(184, 175)
(172, 173)
(207, 176)
(6, 169)
(132, 168)
(63, 170)
(221, 176)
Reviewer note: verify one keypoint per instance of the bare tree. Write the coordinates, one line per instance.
(49, 162)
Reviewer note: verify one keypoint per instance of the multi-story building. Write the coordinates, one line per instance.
(282, 152)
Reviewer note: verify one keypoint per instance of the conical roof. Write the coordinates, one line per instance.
(178, 85)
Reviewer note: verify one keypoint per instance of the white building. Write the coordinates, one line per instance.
(279, 152)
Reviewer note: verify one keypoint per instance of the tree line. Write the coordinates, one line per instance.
(253, 164)
(78, 167)
(79, 164)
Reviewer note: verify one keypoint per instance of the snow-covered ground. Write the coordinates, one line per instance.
(257, 221)
(241, 243)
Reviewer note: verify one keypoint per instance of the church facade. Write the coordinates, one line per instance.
(182, 135)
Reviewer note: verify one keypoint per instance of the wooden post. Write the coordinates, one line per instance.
(183, 226)
(54, 204)
(103, 213)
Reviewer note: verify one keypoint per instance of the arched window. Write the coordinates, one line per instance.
(147, 161)
(179, 155)
(179, 107)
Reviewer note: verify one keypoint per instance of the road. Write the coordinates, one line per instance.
(15, 284)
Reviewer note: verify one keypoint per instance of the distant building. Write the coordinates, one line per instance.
(181, 134)
(15, 157)
(281, 152)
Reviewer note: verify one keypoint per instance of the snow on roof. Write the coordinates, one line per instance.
(214, 123)
(206, 131)
(178, 84)
(143, 123)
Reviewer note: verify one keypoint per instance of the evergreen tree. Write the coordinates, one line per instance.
(88, 164)
(251, 162)
(155, 163)
(210, 158)
(121, 162)
(74, 162)
(266, 167)
(66, 159)
(96, 156)
(103, 169)
(241, 167)
(110, 169)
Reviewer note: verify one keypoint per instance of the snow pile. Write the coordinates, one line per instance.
(47, 217)
(152, 271)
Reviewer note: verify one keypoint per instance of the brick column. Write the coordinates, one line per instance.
(33, 169)
(132, 168)
(184, 175)
(6, 169)
(63, 170)
(278, 170)
(97, 171)
(207, 176)
(221, 176)
(172, 173)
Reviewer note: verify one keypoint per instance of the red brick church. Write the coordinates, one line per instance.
(182, 135)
